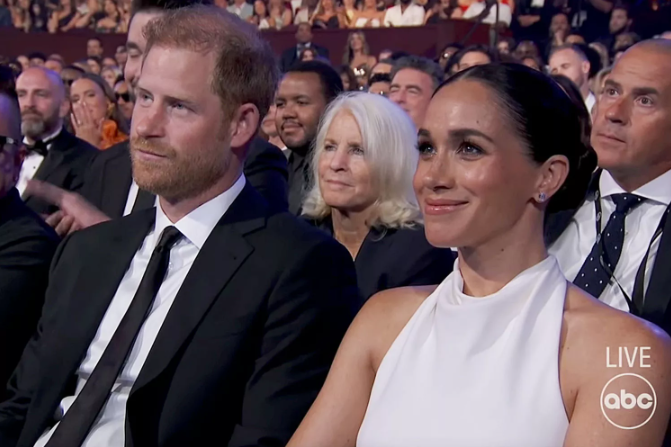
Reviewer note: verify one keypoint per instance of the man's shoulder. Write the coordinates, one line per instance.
(296, 235)
(21, 226)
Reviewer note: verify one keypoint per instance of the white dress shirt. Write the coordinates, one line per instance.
(590, 101)
(413, 16)
(32, 162)
(196, 227)
(575, 244)
(505, 14)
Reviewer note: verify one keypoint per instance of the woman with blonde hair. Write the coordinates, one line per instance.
(96, 118)
(361, 193)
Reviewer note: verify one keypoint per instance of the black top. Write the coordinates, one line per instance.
(27, 245)
(390, 258)
(242, 353)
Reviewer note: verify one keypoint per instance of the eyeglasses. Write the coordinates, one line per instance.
(125, 96)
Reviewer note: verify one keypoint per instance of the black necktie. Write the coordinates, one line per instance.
(144, 200)
(602, 260)
(75, 425)
(39, 147)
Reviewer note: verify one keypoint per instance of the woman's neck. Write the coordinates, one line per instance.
(486, 269)
(350, 228)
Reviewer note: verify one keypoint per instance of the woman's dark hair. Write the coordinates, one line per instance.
(456, 59)
(347, 71)
(545, 119)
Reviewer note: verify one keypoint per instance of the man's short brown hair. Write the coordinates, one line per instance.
(245, 71)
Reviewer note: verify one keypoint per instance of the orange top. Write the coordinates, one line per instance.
(111, 135)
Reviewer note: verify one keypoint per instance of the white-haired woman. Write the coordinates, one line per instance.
(361, 193)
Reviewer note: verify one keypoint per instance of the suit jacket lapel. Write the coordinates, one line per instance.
(96, 285)
(223, 253)
(116, 181)
(658, 295)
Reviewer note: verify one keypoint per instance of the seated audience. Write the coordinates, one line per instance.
(94, 64)
(357, 53)
(571, 61)
(501, 12)
(368, 17)
(111, 75)
(54, 155)
(504, 351)
(413, 81)
(95, 115)
(241, 9)
(616, 243)
(308, 54)
(260, 17)
(304, 40)
(111, 21)
(379, 84)
(144, 336)
(472, 56)
(405, 13)
(361, 194)
(268, 130)
(447, 53)
(280, 15)
(26, 243)
(327, 17)
(349, 80)
(443, 10)
(124, 99)
(533, 62)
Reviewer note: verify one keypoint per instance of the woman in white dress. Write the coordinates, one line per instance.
(504, 352)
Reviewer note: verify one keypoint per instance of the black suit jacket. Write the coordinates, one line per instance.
(290, 56)
(656, 307)
(27, 245)
(244, 349)
(110, 176)
(64, 166)
(390, 258)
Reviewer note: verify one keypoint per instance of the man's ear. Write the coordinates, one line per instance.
(64, 109)
(586, 66)
(244, 125)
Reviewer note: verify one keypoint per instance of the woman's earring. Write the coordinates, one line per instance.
(542, 197)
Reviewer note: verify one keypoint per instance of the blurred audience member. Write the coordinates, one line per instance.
(260, 17)
(441, 11)
(241, 9)
(27, 244)
(357, 53)
(506, 45)
(379, 84)
(24, 61)
(383, 66)
(304, 40)
(54, 155)
(39, 17)
(575, 39)
(124, 99)
(109, 62)
(63, 18)
(559, 30)
(327, 17)
(447, 53)
(571, 61)
(70, 74)
(405, 13)
(603, 52)
(280, 15)
(368, 17)
(619, 23)
(501, 11)
(269, 131)
(5, 15)
(349, 9)
(95, 65)
(573, 92)
(533, 62)
(385, 54)
(96, 117)
(308, 54)
(598, 82)
(472, 56)
(37, 59)
(121, 56)
(94, 48)
(111, 21)
(111, 75)
(54, 65)
(413, 81)
(349, 81)
(361, 194)
(303, 94)
(306, 11)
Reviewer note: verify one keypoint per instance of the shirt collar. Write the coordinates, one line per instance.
(657, 190)
(590, 101)
(49, 138)
(199, 223)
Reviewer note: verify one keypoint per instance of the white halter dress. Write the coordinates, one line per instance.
(475, 372)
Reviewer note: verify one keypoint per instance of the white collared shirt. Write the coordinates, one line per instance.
(196, 227)
(413, 16)
(32, 162)
(575, 244)
(589, 102)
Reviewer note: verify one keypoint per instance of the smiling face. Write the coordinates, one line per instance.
(300, 104)
(345, 179)
(179, 133)
(475, 177)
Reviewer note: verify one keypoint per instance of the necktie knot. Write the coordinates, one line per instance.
(39, 147)
(625, 202)
(169, 237)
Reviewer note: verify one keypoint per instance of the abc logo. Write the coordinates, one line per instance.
(628, 392)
